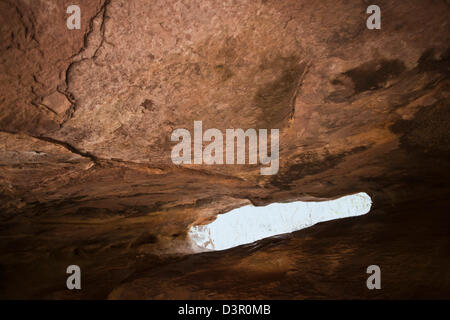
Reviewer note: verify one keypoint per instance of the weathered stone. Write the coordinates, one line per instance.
(86, 118)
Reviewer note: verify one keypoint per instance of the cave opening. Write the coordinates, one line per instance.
(250, 223)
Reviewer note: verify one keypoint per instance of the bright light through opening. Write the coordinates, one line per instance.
(248, 224)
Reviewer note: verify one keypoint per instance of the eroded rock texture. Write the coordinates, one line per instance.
(86, 117)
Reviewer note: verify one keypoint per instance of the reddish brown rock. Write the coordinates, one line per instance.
(86, 117)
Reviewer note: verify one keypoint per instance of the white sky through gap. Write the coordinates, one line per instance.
(249, 223)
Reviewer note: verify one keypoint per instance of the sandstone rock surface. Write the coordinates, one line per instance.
(86, 117)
